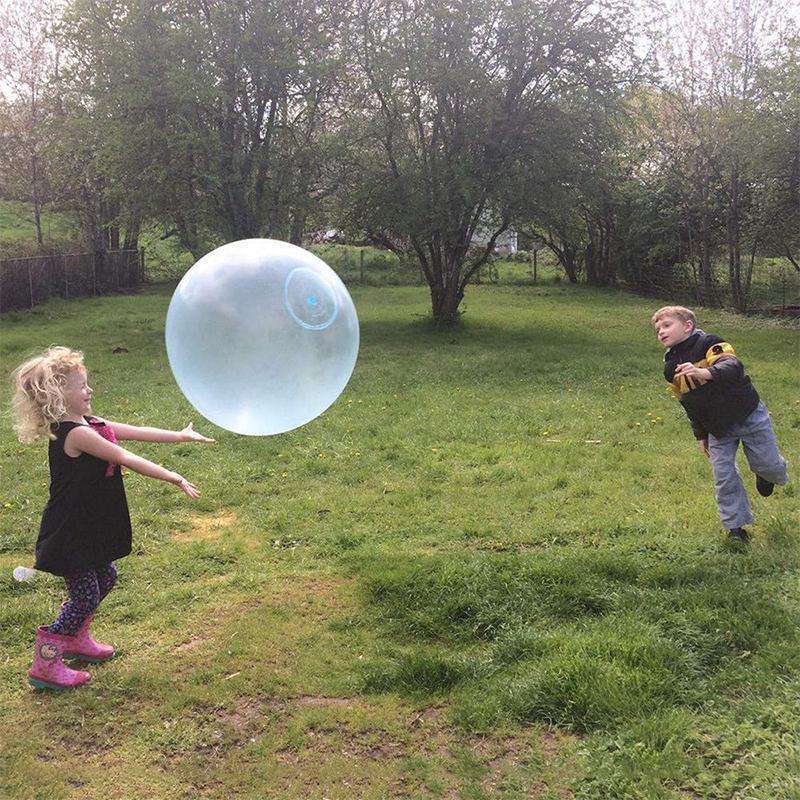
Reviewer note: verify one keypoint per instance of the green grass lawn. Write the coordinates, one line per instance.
(492, 569)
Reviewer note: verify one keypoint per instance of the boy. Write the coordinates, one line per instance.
(724, 409)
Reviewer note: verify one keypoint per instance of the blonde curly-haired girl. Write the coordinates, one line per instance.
(85, 526)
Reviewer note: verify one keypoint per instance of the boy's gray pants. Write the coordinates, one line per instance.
(761, 450)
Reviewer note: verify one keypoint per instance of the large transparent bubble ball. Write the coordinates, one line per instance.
(262, 336)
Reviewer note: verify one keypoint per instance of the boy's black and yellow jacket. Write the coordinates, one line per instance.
(712, 406)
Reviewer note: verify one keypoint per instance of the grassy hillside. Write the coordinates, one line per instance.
(492, 569)
(17, 224)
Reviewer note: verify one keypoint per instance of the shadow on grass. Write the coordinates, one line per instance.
(503, 357)
(494, 335)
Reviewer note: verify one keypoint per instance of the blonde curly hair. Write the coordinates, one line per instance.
(39, 386)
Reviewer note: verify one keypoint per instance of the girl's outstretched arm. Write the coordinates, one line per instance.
(145, 434)
(84, 440)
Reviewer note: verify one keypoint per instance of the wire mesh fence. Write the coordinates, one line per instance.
(26, 282)
(773, 287)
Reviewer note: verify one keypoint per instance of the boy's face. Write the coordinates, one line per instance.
(671, 330)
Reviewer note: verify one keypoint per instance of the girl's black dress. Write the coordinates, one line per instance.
(85, 524)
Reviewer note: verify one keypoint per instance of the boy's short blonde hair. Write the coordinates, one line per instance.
(39, 386)
(679, 312)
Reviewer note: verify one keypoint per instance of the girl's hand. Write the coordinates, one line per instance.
(186, 487)
(704, 446)
(189, 434)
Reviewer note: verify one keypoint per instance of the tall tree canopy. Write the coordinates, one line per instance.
(429, 125)
(29, 61)
(214, 114)
(463, 109)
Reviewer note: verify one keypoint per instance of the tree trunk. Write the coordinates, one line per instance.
(37, 220)
(132, 234)
(570, 264)
(590, 260)
(297, 229)
(445, 301)
(566, 256)
(598, 253)
(706, 267)
(37, 202)
(734, 248)
(187, 234)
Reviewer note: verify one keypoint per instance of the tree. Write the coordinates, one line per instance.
(777, 160)
(715, 55)
(210, 116)
(29, 59)
(574, 206)
(460, 107)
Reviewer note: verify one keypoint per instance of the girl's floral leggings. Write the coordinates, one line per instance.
(85, 593)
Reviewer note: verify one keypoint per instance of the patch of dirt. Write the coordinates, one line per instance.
(192, 644)
(205, 528)
(340, 736)
(46, 754)
(83, 744)
(250, 717)
(205, 629)
(434, 731)
(247, 709)
(551, 744)
(307, 592)
(318, 700)
(315, 597)
(505, 755)
(433, 715)
(375, 745)
(246, 712)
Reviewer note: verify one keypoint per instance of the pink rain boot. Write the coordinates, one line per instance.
(82, 646)
(48, 670)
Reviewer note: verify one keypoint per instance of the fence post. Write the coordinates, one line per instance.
(361, 265)
(30, 284)
(66, 277)
(94, 273)
(141, 265)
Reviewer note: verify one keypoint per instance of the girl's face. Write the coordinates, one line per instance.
(78, 394)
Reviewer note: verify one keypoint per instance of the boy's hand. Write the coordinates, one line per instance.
(704, 446)
(189, 434)
(690, 370)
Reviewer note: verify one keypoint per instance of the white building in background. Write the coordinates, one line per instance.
(505, 245)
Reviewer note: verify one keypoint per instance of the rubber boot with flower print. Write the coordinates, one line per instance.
(48, 670)
(82, 646)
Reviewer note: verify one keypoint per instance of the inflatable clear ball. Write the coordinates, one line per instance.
(262, 336)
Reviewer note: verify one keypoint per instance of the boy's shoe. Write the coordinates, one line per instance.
(765, 488)
(739, 536)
